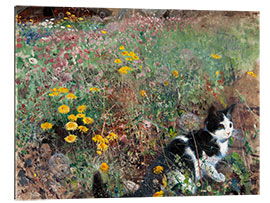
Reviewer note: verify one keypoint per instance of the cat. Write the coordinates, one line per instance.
(188, 158)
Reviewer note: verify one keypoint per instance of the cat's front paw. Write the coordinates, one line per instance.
(221, 178)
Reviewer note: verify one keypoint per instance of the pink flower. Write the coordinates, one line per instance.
(66, 55)
(87, 51)
(40, 56)
(43, 69)
(80, 61)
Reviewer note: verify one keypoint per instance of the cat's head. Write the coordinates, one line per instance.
(219, 123)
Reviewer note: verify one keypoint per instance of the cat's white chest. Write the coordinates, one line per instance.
(223, 148)
(213, 160)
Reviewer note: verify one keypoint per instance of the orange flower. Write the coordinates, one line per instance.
(159, 194)
(104, 167)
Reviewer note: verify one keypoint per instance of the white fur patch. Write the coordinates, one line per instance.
(182, 137)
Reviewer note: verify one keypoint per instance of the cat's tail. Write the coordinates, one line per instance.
(98, 188)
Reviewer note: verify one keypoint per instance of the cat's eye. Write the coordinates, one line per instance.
(220, 126)
(230, 125)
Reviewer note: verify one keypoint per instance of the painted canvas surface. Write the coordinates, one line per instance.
(136, 103)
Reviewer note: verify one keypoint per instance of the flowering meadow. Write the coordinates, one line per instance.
(108, 97)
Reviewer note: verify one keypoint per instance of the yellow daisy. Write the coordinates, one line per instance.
(215, 56)
(80, 115)
(72, 117)
(94, 89)
(81, 108)
(71, 138)
(159, 194)
(63, 90)
(121, 47)
(117, 61)
(46, 126)
(88, 120)
(112, 136)
(82, 128)
(104, 167)
(124, 53)
(143, 93)
(64, 109)
(158, 169)
(102, 147)
(175, 74)
(71, 96)
(71, 125)
(98, 139)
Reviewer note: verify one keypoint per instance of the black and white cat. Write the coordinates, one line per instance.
(191, 156)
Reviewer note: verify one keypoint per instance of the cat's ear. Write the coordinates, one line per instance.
(229, 110)
(212, 111)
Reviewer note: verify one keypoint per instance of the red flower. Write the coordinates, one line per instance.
(87, 51)
(19, 45)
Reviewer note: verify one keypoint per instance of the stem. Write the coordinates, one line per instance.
(197, 154)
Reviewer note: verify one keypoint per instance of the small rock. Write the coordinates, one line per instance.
(21, 173)
(28, 163)
(23, 181)
(189, 122)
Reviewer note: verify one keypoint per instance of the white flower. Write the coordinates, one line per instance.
(33, 61)
(63, 27)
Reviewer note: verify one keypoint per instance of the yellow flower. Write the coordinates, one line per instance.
(117, 61)
(63, 90)
(65, 18)
(71, 138)
(215, 56)
(159, 194)
(53, 94)
(166, 83)
(217, 72)
(131, 53)
(68, 13)
(124, 53)
(129, 59)
(124, 70)
(80, 115)
(94, 89)
(73, 16)
(69, 26)
(158, 169)
(80, 18)
(175, 73)
(71, 125)
(112, 136)
(135, 57)
(88, 120)
(98, 139)
(99, 152)
(252, 74)
(102, 147)
(104, 32)
(46, 126)
(104, 167)
(83, 128)
(121, 47)
(72, 117)
(143, 93)
(81, 108)
(164, 181)
(71, 96)
(64, 109)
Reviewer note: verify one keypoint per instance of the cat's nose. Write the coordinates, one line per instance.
(228, 133)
